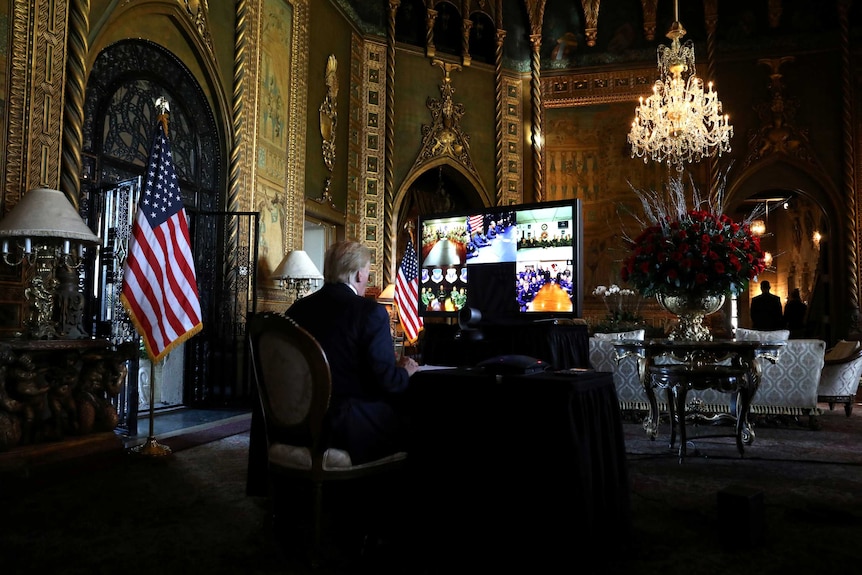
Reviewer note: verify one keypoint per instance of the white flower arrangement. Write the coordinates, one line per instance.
(623, 304)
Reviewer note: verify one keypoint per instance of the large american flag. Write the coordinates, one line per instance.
(160, 290)
(407, 294)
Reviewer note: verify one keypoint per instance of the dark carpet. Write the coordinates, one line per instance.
(793, 504)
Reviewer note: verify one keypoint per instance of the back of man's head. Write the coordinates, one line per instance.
(343, 259)
(764, 286)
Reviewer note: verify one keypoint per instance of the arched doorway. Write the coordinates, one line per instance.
(439, 187)
(800, 214)
(120, 116)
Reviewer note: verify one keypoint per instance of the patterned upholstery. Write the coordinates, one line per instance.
(743, 334)
(839, 379)
(634, 334)
(630, 392)
(788, 387)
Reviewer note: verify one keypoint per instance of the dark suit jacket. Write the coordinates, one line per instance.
(366, 411)
(766, 312)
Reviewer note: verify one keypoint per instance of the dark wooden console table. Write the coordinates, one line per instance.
(54, 389)
(680, 365)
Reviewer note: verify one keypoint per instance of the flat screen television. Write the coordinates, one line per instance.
(513, 263)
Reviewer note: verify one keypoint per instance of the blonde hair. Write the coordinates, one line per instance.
(343, 259)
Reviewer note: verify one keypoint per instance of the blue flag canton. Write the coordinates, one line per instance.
(408, 264)
(161, 197)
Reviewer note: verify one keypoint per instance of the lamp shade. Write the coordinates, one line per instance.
(387, 296)
(296, 265)
(46, 213)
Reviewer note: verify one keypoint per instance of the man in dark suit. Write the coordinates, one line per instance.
(766, 311)
(366, 415)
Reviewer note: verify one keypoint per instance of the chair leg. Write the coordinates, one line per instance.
(317, 525)
(848, 407)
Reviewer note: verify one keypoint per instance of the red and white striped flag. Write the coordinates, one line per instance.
(475, 224)
(160, 290)
(407, 294)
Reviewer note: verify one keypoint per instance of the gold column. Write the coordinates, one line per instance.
(73, 121)
(536, 103)
(498, 115)
(430, 48)
(849, 156)
(389, 234)
(231, 240)
(711, 20)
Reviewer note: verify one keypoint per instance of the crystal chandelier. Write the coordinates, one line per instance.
(680, 122)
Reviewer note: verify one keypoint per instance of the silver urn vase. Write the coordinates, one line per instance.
(690, 309)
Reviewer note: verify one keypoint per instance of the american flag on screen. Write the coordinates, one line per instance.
(474, 224)
(407, 294)
(160, 290)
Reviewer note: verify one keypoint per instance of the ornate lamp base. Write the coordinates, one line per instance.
(151, 448)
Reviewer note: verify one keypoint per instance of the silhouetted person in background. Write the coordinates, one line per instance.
(766, 310)
(794, 314)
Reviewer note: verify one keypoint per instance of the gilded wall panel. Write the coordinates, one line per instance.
(274, 86)
(4, 72)
(16, 98)
(513, 138)
(586, 159)
(271, 203)
(372, 204)
(353, 219)
(274, 96)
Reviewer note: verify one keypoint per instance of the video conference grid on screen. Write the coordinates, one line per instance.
(503, 261)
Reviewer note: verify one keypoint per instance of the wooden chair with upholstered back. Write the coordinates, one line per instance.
(294, 385)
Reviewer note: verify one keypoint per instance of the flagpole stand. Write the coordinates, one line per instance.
(151, 447)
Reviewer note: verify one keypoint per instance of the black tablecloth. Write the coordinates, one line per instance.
(533, 465)
(562, 346)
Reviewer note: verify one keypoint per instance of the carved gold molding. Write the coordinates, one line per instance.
(444, 137)
(21, 30)
(249, 187)
(198, 13)
(355, 172)
(328, 113)
(46, 94)
(567, 90)
(373, 205)
(512, 138)
(35, 97)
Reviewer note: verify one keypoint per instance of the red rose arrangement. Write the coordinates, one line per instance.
(697, 252)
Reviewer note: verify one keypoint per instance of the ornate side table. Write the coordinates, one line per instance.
(677, 366)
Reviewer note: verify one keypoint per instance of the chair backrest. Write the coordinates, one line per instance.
(293, 380)
(743, 334)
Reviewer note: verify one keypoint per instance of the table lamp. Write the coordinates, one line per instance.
(297, 273)
(387, 298)
(48, 234)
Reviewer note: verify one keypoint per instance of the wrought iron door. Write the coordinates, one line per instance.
(111, 214)
(225, 246)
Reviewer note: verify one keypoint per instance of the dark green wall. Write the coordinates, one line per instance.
(416, 80)
(329, 33)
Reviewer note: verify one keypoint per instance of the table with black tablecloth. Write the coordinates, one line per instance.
(558, 343)
(533, 463)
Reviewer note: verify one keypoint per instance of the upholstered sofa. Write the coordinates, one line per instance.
(788, 387)
(839, 380)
